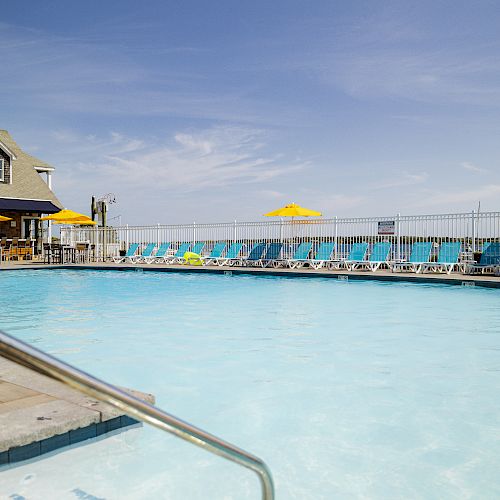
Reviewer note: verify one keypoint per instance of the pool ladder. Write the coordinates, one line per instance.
(43, 363)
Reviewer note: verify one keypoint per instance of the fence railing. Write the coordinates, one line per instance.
(472, 229)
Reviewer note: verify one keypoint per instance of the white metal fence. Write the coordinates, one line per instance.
(472, 229)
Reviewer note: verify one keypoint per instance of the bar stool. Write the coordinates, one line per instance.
(13, 250)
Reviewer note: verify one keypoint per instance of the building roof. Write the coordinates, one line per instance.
(26, 181)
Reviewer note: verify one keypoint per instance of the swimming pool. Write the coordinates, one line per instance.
(346, 389)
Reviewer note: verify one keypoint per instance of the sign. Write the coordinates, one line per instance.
(386, 227)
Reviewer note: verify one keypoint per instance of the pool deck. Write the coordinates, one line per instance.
(40, 415)
(488, 281)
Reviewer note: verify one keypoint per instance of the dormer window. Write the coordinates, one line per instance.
(2, 173)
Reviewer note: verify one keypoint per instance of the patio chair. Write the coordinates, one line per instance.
(178, 257)
(146, 252)
(160, 254)
(447, 260)
(489, 261)
(255, 255)
(233, 254)
(299, 257)
(378, 257)
(253, 258)
(420, 254)
(132, 249)
(271, 254)
(323, 255)
(216, 253)
(357, 253)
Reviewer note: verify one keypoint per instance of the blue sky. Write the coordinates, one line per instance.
(208, 111)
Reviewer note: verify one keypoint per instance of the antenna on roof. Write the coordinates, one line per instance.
(99, 207)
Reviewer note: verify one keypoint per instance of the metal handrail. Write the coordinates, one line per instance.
(30, 357)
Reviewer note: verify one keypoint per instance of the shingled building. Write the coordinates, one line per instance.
(24, 194)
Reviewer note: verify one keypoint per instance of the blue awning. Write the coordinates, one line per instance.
(42, 207)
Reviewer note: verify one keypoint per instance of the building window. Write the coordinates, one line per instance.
(2, 176)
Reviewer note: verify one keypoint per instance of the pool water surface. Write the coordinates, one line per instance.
(346, 389)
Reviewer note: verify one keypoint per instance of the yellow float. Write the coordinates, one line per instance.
(192, 259)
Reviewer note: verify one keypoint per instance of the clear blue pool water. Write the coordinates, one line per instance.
(347, 390)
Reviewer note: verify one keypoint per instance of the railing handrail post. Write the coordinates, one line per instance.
(34, 359)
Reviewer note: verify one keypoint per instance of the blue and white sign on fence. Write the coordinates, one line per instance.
(386, 227)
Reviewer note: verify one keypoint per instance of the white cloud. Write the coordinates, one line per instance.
(212, 158)
(473, 168)
(400, 179)
(472, 196)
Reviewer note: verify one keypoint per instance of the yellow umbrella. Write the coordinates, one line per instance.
(69, 217)
(293, 210)
(3, 218)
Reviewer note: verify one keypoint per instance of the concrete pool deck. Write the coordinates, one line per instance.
(488, 281)
(39, 415)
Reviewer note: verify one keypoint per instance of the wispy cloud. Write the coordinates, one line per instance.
(400, 179)
(190, 161)
(459, 196)
(473, 168)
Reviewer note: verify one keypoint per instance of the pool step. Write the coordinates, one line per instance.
(39, 415)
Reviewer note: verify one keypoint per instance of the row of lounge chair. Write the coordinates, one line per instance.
(360, 256)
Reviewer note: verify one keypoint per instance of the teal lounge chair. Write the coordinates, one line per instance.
(271, 254)
(420, 254)
(356, 254)
(146, 252)
(300, 256)
(178, 257)
(489, 261)
(216, 253)
(198, 247)
(132, 249)
(447, 260)
(160, 255)
(323, 255)
(379, 256)
(232, 255)
(255, 255)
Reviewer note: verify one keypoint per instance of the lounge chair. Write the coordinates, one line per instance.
(160, 255)
(489, 261)
(132, 249)
(272, 254)
(299, 257)
(232, 255)
(323, 255)
(216, 253)
(178, 257)
(447, 260)
(198, 247)
(378, 257)
(420, 254)
(146, 253)
(357, 254)
(255, 255)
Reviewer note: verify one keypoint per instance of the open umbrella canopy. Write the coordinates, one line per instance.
(293, 210)
(69, 217)
(2, 218)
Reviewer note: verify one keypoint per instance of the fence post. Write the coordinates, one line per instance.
(158, 234)
(398, 237)
(194, 233)
(336, 238)
(234, 232)
(281, 229)
(127, 244)
(473, 230)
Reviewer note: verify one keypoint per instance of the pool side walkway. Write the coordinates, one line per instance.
(39, 415)
(488, 281)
